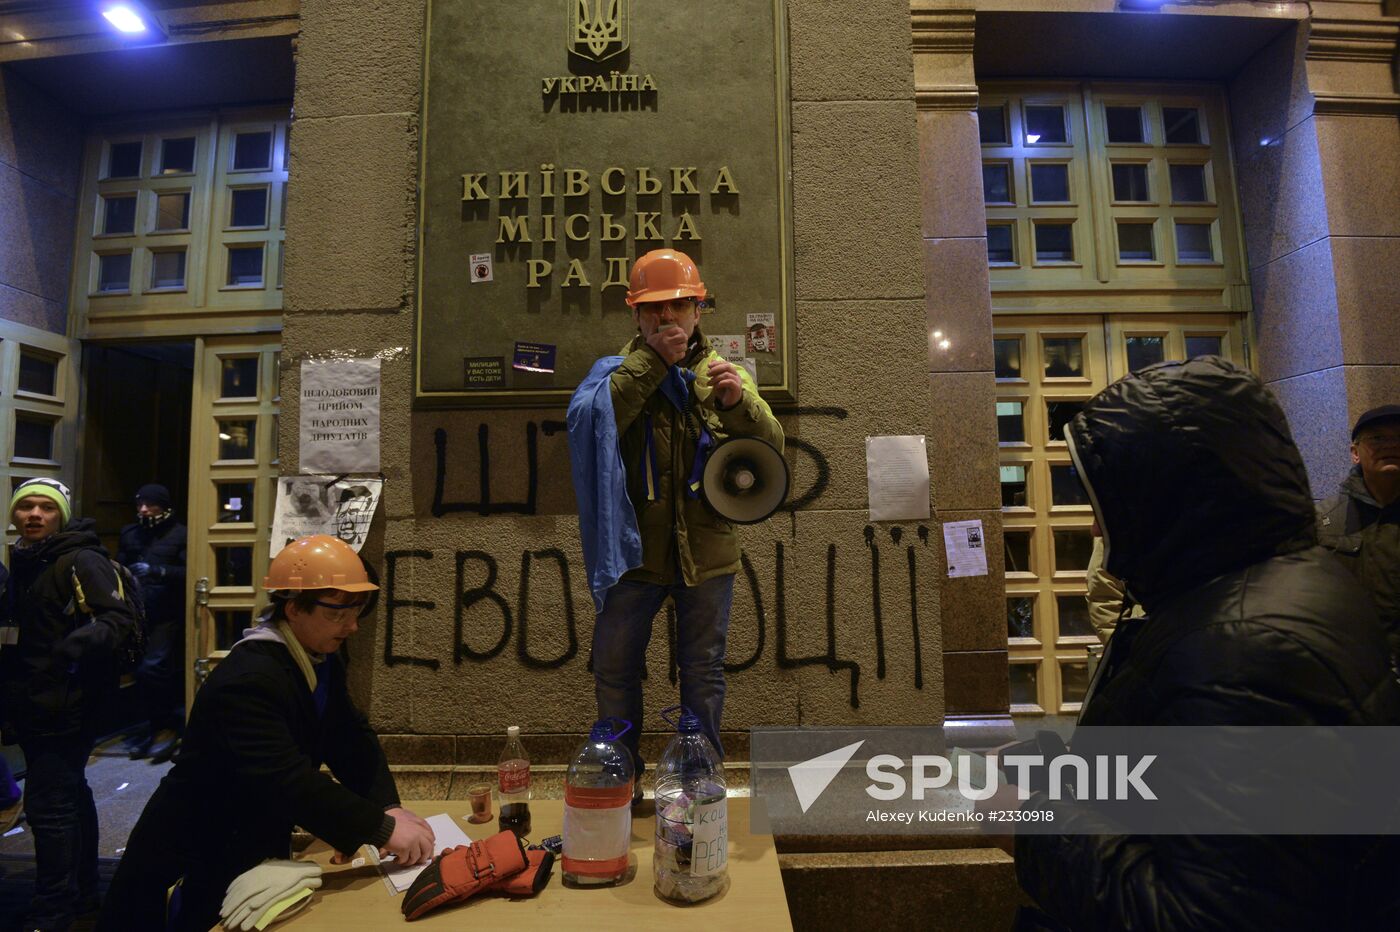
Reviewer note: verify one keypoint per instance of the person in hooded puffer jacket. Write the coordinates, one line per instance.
(1207, 517)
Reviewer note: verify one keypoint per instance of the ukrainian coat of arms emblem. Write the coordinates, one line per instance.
(598, 29)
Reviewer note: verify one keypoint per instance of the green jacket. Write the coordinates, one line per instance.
(678, 530)
(1366, 537)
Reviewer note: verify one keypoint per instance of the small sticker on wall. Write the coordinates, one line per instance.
(534, 357)
(481, 267)
(762, 334)
(729, 345)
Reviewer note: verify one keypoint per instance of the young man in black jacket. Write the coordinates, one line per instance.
(57, 671)
(249, 767)
(153, 548)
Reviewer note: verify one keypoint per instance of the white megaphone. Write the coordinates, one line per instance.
(745, 480)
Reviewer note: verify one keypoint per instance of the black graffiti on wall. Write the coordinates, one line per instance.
(481, 606)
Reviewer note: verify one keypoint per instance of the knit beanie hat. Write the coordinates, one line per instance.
(154, 493)
(48, 488)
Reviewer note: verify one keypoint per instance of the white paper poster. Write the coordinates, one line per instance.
(896, 470)
(309, 505)
(966, 546)
(340, 416)
(729, 345)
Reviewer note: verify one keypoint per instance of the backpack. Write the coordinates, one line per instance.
(129, 653)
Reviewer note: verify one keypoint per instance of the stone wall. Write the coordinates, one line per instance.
(835, 620)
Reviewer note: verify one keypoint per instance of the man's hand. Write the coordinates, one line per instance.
(669, 341)
(726, 383)
(1007, 798)
(412, 841)
(140, 570)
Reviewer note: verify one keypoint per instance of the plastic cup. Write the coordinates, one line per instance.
(480, 796)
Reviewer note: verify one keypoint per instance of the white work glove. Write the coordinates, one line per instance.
(253, 891)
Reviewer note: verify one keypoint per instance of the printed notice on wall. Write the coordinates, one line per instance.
(896, 470)
(966, 547)
(340, 416)
(309, 505)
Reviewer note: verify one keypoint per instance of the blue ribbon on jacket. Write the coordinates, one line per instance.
(607, 523)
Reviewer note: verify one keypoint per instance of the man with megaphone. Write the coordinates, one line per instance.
(642, 427)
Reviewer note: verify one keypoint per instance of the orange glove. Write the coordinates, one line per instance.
(532, 879)
(462, 872)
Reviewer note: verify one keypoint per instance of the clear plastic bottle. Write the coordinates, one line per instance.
(513, 773)
(690, 862)
(598, 808)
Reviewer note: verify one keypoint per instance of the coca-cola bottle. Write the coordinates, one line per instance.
(513, 771)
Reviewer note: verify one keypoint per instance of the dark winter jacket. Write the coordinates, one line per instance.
(248, 770)
(56, 678)
(1207, 516)
(1366, 538)
(163, 548)
(679, 531)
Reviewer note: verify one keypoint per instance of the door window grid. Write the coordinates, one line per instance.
(37, 399)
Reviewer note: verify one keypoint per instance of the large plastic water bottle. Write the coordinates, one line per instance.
(598, 808)
(690, 863)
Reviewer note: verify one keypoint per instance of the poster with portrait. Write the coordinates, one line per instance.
(762, 334)
(308, 505)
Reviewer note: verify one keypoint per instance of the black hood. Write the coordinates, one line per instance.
(1193, 473)
(78, 535)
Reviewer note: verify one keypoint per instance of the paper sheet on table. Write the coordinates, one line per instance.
(896, 470)
(964, 543)
(448, 834)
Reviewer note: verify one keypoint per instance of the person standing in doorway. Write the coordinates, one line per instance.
(659, 407)
(153, 548)
(57, 673)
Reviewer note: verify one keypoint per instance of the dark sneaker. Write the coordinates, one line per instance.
(139, 748)
(160, 753)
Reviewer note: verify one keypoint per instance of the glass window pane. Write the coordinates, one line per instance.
(1057, 415)
(252, 151)
(1135, 242)
(1124, 124)
(282, 220)
(245, 265)
(177, 156)
(37, 374)
(1193, 243)
(124, 160)
(1074, 680)
(991, 125)
(1065, 487)
(119, 214)
(229, 626)
(1130, 182)
(1045, 124)
(1188, 184)
(114, 272)
(277, 436)
(1011, 422)
(1054, 242)
(1202, 346)
(1072, 549)
(996, 183)
(1050, 182)
(1064, 357)
(1144, 351)
(235, 502)
(1024, 690)
(233, 566)
(1018, 550)
(999, 247)
(1007, 352)
(1074, 616)
(248, 207)
(236, 439)
(1020, 617)
(239, 377)
(168, 269)
(1013, 487)
(173, 211)
(1182, 125)
(33, 436)
(281, 253)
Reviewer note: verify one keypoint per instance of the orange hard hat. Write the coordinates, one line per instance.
(663, 275)
(318, 562)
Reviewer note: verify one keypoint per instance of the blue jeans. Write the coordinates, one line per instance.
(58, 804)
(620, 638)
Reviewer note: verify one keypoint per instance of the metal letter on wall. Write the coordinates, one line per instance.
(562, 139)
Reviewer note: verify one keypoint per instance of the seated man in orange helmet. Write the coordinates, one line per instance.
(249, 768)
(672, 397)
